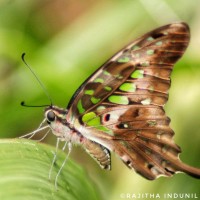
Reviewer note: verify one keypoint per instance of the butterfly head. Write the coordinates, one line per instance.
(54, 113)
(56, 118)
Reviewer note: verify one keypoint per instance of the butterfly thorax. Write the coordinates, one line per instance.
(56, 118)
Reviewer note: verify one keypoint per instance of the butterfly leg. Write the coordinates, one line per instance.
(34, 132)
(54, 158)
(63, 164)
(39, 140)
(64, 146)
(39, 128)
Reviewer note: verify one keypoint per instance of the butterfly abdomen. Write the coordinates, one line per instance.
(100, 154)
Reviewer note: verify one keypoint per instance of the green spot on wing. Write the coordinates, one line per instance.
(159, 43)
(94, 122)
(91, 119)
(135, 47)
(137, 74)
(106, 73)
(128, 87)
(89, 92)
(123, 60)
(150, 39)
(118, 99)
(105, 129)
(88, 116)
(100, 108)
(107, 88)
(80, 107)
(118, 76)
(95, 100)
(150, 52)
(98, 80)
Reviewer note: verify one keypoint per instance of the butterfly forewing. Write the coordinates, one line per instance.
(121, 105)
(138, 74)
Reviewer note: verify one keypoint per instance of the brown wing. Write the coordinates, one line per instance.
(144, 141)
(144, 66)
(121, 105)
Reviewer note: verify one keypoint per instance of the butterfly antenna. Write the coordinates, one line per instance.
(39, 81)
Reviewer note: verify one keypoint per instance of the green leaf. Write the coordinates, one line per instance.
(24, 168)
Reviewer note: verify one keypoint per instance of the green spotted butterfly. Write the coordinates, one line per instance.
(119, 108)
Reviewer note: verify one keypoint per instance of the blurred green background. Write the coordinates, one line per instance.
(65, 41)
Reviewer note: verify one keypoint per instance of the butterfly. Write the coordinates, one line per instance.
(119, 108)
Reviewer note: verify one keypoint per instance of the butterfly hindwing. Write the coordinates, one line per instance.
(121, 105)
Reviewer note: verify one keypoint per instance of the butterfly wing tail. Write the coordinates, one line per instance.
(152, 160)
(192, 171)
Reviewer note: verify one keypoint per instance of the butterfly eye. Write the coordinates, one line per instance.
(51, 116)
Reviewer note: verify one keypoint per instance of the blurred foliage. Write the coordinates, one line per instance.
(65, 41)
(24, 168)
